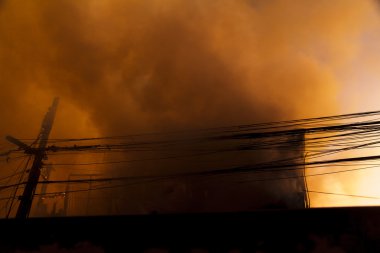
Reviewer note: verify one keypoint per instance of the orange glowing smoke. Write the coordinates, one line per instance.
(127, 66)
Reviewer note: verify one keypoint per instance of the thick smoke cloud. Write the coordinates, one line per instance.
(137, 65)
(129, 66)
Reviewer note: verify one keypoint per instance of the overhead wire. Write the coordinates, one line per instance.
(17, 186)
(250, 126)
(343, 136)
(344, 194)
(149, 180)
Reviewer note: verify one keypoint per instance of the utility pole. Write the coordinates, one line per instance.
(39, 154)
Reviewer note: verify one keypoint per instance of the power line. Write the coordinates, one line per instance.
(144, 179)
(327, 137)
(17, 185)
(238, 127)
(10, 176)
(345, 195)
(132, 183)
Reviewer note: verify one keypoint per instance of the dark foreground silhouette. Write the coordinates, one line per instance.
(308, 230)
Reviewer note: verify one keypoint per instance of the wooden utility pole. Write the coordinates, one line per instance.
(39, 154)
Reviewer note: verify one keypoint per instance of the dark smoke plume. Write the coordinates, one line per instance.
(131, 66)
